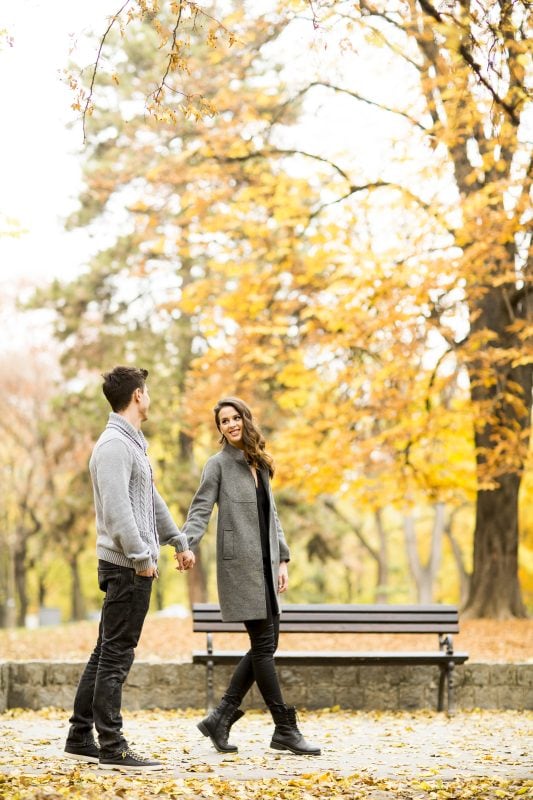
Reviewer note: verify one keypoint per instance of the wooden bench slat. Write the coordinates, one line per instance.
(360, 617)
(332, 618)
(336, 657)
(368, 609)
(336, 627)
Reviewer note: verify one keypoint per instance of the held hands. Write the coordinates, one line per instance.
(283, 577)
(186, 560)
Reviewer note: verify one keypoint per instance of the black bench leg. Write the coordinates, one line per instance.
(449, 670)
(209, 686)
(446, 682)
(442, 681)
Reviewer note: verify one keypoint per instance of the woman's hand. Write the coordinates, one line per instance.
(283, 577)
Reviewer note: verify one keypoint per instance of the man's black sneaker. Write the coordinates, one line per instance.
(128, 761)
(83, 751)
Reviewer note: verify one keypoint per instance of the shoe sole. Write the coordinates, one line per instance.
(276, 746)
(203, 729)
(87, 759)
(122, 768)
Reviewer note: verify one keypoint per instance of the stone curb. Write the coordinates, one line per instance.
(175, 685)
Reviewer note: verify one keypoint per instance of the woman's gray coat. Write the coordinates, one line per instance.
(228, 481)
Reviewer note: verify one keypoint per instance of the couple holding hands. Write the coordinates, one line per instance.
(132, 520)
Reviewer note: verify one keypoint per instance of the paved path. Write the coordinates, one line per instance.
(403, 746)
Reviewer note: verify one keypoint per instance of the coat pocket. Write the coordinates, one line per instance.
(227, 543)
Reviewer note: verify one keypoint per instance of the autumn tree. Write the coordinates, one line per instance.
(363, 339)
(472, 61)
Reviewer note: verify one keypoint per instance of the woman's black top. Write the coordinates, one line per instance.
(263, 509)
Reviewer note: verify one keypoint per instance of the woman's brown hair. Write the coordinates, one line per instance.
(252, 439)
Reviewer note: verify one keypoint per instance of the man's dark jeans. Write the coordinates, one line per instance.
(99, 695)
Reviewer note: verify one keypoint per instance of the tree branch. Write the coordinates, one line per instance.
(157, 94)
(96, 65)
(353, 190)
(370, 11)
(332, 507)
(475, 67)
(279, 151)
(515, 119)
(434, 377)
(355, 95)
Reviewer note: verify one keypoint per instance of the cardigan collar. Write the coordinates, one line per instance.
(120, 422)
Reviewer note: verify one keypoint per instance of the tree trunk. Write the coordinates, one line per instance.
(76, 595)
(186, 443)
(197, 582)
(380, 555)
(381, 595)
(494, 587)
(42, 590)
(20, 581)
(11, 605)
(464, 576)
(424, 575)
(348, 583)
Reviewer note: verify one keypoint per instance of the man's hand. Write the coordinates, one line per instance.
(151, 572)
(283, 577)
(185, 560)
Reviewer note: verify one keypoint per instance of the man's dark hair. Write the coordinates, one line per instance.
(120, 383)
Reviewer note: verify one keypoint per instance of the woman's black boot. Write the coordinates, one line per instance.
(287, 736)
(218, 723)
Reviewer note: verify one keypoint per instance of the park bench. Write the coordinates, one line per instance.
(442, 620)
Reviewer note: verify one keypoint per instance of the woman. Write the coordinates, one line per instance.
(252, 557)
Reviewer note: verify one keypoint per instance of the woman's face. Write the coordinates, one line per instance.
(231, 425)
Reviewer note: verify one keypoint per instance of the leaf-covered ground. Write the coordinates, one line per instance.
(412, 756)
(81, 785)
(172, 639)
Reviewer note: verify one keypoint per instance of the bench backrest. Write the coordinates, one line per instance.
(343, 619)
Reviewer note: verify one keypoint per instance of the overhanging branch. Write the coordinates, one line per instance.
(355, 95)
(97, 64)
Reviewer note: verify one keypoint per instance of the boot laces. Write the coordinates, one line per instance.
(293, 717)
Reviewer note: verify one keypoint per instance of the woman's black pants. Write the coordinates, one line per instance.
(258, 663)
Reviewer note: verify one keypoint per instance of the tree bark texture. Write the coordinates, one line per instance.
(495, 588)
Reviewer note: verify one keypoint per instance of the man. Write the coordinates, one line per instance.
(131, 521)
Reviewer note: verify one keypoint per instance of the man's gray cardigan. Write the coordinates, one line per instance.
(131, 517)
(228, 481)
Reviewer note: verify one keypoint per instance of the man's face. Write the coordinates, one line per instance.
(144, 403)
